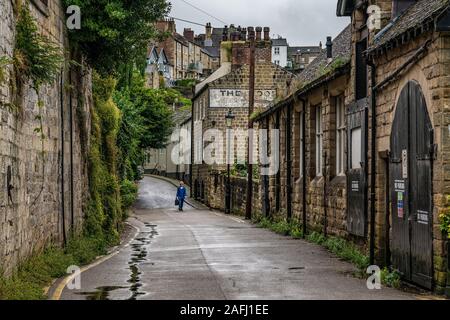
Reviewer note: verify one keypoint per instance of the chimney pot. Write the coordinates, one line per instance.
(251, 33)
(266, 33)
(258, 33)
(329, 49)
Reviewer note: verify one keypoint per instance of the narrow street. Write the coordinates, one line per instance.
(200, 254)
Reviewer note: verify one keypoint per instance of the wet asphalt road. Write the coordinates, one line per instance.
(198, 255)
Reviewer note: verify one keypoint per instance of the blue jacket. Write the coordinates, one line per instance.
(181, 193)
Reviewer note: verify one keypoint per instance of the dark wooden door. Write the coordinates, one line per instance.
(357, 166)
(411, 161)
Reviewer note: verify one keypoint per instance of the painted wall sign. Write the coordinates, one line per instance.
(234, 98)
(405, 164)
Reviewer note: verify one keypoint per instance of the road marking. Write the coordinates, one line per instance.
(61, 286)
(229, 217)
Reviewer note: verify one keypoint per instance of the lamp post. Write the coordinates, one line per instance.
(229, 117)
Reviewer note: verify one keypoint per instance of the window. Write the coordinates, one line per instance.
(319, 141)
(277, 62)
(361, 70)
(356, 139)
(277, 50)
(302, 139)
(340, 136)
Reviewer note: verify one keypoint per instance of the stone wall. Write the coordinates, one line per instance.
(31, 215)
(216, 190)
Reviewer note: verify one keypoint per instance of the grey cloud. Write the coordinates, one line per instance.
(302, 22)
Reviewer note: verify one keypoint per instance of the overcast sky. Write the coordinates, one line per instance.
(302, 22)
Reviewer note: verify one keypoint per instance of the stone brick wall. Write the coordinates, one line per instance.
(326, 194)
(216, 190)
(31, 217)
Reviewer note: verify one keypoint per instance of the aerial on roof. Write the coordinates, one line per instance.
(421, 12)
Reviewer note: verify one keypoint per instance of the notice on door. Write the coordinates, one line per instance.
(405, 164)
(422, 217)
(400, 192)
(400, 205)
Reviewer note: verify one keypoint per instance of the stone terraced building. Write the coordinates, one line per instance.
(365, 149)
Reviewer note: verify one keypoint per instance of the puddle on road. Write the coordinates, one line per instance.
(139, 255)
(101, 293)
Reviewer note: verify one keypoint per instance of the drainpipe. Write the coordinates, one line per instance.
(266, 180)
(278, 177)
(72, 220)
(191, 166)
(325, 196)
(447, 290)
(373, 161)
(289, 164)
(387, 249)
(63, 207)
(304, 166)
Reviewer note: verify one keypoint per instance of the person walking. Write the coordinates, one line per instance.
(181, 195)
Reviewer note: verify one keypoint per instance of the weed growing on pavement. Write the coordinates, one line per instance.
(282, 227)
(338, 246)
(342, 248)
(29, 281)
(391, 278)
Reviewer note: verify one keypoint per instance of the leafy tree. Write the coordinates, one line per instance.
(116, 32)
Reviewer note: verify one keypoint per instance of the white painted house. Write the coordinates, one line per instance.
(280, 52)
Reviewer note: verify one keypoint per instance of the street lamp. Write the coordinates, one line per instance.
(229, 117)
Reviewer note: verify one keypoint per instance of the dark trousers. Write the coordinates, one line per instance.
(180, 203)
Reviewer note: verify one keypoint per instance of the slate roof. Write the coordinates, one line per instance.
(280, 42)
(315, 73)
(181, 116)
(342, 48)
(181, 39)
(294, 50)
(415, 15)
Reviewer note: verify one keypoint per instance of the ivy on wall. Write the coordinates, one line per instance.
(444, 219)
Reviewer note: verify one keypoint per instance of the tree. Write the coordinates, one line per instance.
(114, 32)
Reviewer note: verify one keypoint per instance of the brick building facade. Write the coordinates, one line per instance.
(229, 91)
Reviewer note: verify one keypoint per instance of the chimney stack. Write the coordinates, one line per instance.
(225, 34)
(258, 33)
(235, 36)
(208, 35)
(188, 34)
(244, 34)
(329, 50)
(266, 34)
